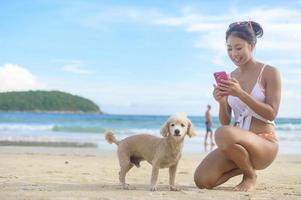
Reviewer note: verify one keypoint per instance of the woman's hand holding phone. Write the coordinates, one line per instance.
(230, 87)
(218, 93)
(225, 86)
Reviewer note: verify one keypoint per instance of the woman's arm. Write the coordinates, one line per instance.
(224, 113)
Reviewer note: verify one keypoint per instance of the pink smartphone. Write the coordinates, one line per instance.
(220, 76)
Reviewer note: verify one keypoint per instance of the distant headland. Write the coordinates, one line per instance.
(46, 101)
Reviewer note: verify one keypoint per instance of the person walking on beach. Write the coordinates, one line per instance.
(208, 124)
(253, 93)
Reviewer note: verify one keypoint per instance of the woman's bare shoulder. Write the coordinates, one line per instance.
(270, 70)
(270, 73)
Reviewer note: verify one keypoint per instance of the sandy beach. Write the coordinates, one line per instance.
(91, 173)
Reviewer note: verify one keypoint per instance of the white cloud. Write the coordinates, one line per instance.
(75, 67)
(193, 22)
(285, 61)
(17, 78)
(103, 18)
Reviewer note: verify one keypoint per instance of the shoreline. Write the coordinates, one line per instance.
(28, 172)
(102, 145)
(53, 112)
(20, 143)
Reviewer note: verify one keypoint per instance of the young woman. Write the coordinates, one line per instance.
(253, 94)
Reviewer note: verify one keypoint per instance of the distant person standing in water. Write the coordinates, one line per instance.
(208, 123)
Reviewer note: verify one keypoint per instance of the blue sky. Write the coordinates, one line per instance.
(142, 57)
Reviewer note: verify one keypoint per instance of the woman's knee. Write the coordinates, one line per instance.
(224, 137)
(202, 180)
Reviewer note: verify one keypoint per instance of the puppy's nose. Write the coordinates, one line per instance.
(177, 132)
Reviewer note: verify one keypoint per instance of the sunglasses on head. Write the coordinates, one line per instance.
(243, 23)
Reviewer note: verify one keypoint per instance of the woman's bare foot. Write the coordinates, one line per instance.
(247, 184)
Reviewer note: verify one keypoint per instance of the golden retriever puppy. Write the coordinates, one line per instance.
(159, 152)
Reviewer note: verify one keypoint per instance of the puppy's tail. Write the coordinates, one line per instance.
(111, 138)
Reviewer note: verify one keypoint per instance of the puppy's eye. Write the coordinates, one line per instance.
(172, 124)
(183, 125)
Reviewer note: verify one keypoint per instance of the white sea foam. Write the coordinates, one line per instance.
(25, 127)
(289, 127)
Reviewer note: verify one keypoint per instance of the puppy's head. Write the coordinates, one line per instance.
(177, 126)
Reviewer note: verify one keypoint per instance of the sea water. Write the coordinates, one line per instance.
(90, 128)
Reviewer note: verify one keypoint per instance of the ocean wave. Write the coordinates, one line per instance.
(78, 129)
(288, 127)
(25, 127)
(50, 127)
(137, 131)
(75, 129)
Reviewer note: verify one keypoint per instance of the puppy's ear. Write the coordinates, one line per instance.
(165, 129)
(191, 130)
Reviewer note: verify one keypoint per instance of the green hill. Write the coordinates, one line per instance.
(46, 101)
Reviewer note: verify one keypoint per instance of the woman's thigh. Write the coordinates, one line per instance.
(212, 168)
(261, 151)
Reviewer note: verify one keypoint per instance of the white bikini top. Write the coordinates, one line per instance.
(242, 113)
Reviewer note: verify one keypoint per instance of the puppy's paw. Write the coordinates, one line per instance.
(153, 188)
(173, 188)
(125, 186)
